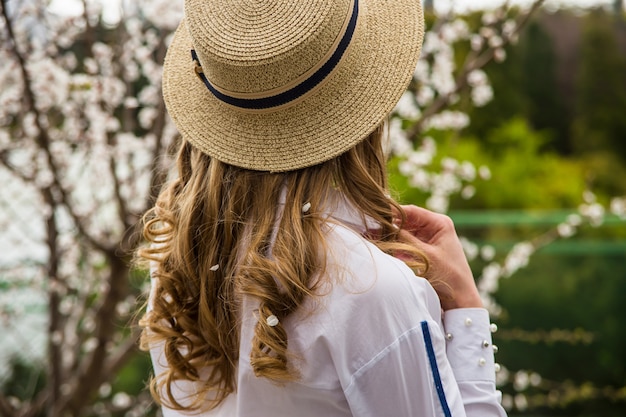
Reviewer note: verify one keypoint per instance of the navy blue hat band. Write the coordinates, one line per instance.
(295, 92)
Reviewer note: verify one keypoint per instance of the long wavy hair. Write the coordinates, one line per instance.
(219, 233)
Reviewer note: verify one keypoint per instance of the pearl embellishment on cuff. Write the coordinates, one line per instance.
(493, 327)
(449, 336)
(468, 321)
(495, 349)
(486, 343)
(482, 362)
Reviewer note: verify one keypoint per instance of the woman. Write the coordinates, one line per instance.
(284, 276)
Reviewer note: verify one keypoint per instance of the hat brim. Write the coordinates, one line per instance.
(347, 106)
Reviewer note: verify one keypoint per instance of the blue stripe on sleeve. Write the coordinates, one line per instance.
(433, 366)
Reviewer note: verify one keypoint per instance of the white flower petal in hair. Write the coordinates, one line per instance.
(214, 267)
(306, 207)
(272, 321)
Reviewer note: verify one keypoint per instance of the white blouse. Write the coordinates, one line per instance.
(374, 344)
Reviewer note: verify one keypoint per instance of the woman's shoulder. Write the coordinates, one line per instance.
(363, 263)
(369, 302)
(367, 284)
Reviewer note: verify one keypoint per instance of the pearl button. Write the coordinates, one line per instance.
(468, 321)
(497, 367)
(493, 327)
(495, 349)
(482, 362)
(486, 343)
(449, 336)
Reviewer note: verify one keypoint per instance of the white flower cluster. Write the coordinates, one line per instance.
(591, 210)
(83, 137)
(453, 177)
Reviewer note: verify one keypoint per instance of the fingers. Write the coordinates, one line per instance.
(424, 224)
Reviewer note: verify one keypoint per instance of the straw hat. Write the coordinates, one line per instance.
(278, 85)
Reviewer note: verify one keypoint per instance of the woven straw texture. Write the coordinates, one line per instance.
(249, 47)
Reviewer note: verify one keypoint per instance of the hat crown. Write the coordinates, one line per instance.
(250, 47)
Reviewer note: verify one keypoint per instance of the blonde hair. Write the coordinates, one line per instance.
(211, 233)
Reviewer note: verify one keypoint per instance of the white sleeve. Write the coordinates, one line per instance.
(470, 353)
(417, 376)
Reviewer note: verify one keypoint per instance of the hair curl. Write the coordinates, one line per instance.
(219, 214)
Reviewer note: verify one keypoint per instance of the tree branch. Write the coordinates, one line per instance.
(461, 80)
(43, 139)
(55, 371)
(122, 208)
(159, 176)
(122, 355)
(91, 376)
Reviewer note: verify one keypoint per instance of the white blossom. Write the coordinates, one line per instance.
(499, 55)
(618, 207)
(470, 248)
(406, 107)
(507, 401)
(438, 203)
(476, 42)
(454, 31)
(502, 377)
(594, 212)
(495, 41)
(566, 230)
(487, 252)
(468, 192)
(449, 119)
(488, 282)
(484, 172)
(425, 95)
(574, 220)
(121, 400)
(422, 71)
(517, 258)
(521, 402)
(489, 18)
(165, 14)
(508, 28)
(477, 78)
(589, 197)
(482, 95)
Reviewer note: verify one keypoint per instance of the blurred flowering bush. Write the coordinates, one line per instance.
(85, 145)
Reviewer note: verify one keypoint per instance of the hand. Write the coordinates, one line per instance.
(448, 271)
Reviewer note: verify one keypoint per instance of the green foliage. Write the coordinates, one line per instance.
(132, 378)
(523, 175)
(569, 293)
(600, 122)
(510, 99)
(544, 105)
(26, 380)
